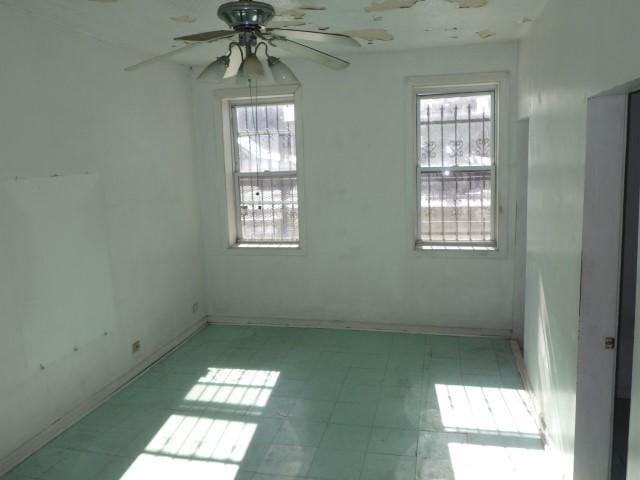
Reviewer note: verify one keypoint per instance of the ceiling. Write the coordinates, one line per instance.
(150, 25)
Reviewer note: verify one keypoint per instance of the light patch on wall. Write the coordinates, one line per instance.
(390, 5)
(484, 34)
(184, 19)
(470, 3)
(371, 34)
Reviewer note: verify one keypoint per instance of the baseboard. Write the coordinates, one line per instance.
(94, 401)
(357, 325)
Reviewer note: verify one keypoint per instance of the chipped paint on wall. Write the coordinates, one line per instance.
(484, 34)
(390, 5)
(470, 3)
(184, 19)
(371, 34)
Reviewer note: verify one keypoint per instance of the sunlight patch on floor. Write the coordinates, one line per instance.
(234, 386)
(158, 467)
(474, 462)
(486, 410)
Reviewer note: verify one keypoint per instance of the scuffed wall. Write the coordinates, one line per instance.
(99, 227)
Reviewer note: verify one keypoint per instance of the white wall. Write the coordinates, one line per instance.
(111, 245)
(358, 264)
(575, 49)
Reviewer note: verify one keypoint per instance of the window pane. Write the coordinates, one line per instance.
(268, 209)
(265, 138)
(455, 206)
(456, 130)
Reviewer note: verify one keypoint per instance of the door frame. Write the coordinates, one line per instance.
(603, 215)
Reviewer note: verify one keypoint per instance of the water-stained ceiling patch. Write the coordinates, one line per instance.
(184, 19)
(470, 3)
(371, 34)
(484, 34)
(390, 5)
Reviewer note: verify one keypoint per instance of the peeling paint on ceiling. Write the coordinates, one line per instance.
(484, 34)
(286, 23)
(371, 34)
(470, 3)
(390, 5)
(144, 25)
(184, 19)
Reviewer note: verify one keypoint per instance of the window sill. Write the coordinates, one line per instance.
(287, 246)
(265, 249)
(455, 248)
(458, 251)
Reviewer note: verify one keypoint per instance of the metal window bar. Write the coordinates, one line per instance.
(265, 176)
(459, 209)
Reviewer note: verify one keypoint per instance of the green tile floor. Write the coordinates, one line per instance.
(239, 403)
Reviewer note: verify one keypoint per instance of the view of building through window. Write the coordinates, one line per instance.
(456, 158)
(265, 173)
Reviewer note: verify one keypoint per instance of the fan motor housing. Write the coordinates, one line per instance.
(246, 15)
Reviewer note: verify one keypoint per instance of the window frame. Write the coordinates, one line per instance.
(449, 85)
(225, 101)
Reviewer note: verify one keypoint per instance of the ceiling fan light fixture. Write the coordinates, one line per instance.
(251, 69)
(282, 74)
(215, 70)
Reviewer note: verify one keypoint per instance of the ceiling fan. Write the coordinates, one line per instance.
(248, 22)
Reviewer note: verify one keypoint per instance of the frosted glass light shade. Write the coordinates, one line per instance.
(281, 73)
(215, 71)
(251, 69)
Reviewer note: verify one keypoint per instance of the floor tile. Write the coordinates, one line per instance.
(353, 413)
(312, 409)
(306, 433)
(393, 441)
(37, 464)
(346, 437)
(290, 460)
(398, 413)
(435, 445)
(359, 393)
(336, 465)
(428, 469)
(388, 467)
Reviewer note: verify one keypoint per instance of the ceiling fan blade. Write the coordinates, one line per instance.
(309, 53)
(323, 37)
(207, 36)
(158, 58)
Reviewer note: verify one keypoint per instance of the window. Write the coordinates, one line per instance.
(265, 175)
(456, 170)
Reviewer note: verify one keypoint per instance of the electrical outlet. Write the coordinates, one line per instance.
(135, 347)
(195, 307)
